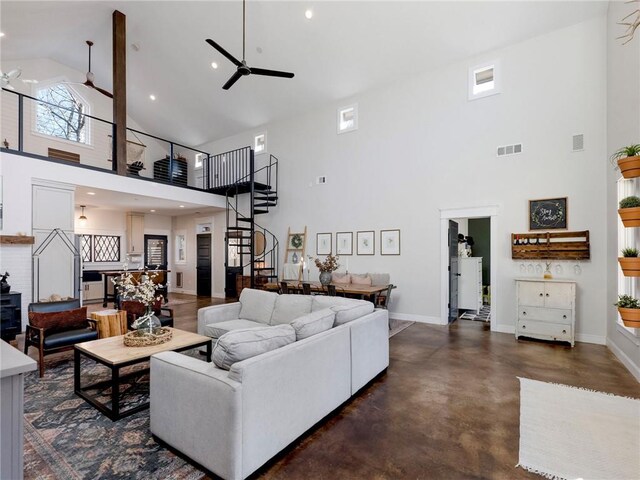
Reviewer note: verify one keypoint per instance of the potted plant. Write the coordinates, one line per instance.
(630, 211)
(628, 159)
(629, 262)
(629, 309)
(329, 265)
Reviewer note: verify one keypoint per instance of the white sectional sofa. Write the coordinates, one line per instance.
(233, 421)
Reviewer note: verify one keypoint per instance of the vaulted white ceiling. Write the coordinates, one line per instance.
(346, 48)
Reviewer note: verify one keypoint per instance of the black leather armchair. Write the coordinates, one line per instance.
(57, 340)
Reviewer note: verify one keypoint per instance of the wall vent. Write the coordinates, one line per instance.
(321, 180)
(179, 280)
(509, 150)
(578, 142)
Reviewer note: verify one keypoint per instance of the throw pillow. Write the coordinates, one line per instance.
(257, 305)
(59, 321)
(341, 278)
(239, 345)
(313, 323)
(361, 279)
(290, 307)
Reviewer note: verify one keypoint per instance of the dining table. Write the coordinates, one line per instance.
(366, 292)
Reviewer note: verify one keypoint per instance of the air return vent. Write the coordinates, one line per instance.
(578, 142)
(509, 150)
(178, 279)
(321, 180)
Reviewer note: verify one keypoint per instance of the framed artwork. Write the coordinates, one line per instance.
(365, 243)
(548, 214)
(323, 244)
(389, 242)
(344, 243)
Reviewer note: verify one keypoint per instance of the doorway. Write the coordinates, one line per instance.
(468, 279)
(203, 265)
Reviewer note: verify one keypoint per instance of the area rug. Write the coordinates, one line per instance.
(66, 438)
(568, 432)
(396, 326)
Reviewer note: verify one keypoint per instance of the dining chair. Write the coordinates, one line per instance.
(306, 288)
(385, 297)
(331, 290)
(284, 288)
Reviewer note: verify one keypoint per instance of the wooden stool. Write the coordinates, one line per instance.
(110, 322)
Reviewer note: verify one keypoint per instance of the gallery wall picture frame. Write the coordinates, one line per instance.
(323, 243)
(366, 242)
(548, 214)
(344, 243)
(390, 242)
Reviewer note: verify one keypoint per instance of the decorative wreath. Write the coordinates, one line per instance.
(296, 241)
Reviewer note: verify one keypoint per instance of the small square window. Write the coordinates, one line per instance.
(348, 118)
(484, 80)
(199, 160)
(260, 143)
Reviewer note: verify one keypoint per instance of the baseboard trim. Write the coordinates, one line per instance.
(415, 318)
(624, 359)
(500, 328)
(181, 290)
(218, 295)
(585, 338)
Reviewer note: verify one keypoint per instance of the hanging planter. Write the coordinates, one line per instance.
(629, 310)
(629, 211)
(630, 262)
(628, 159)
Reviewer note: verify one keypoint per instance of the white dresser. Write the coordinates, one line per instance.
(470, 283)
(546, 309)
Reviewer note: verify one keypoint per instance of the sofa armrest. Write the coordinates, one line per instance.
(207, 427)
(216, 314)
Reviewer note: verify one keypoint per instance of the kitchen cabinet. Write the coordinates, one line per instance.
(135, 233)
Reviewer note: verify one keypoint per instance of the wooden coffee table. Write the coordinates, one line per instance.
(112, 353)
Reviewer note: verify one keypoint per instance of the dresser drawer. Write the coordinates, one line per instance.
(551, 331)
(552, 315)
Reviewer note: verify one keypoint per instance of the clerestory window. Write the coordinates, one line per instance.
(61, 113)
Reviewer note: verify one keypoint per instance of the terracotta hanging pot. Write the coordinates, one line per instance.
(630, 166)
(630, 266)
(630, 317)
(630, 216)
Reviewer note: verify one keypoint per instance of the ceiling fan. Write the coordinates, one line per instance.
(242, 68)
(7, 77)
(89, 81)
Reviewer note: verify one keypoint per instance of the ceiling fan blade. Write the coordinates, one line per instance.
(233, 59)
(234, 78)
(14, 73)
(103, 91)
(271, 73)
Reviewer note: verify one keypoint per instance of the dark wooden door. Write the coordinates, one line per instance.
(453, 271)
(203, 265)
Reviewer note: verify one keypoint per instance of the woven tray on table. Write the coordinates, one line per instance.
(135, 339)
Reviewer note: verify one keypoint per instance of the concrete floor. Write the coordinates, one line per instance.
(447, 408)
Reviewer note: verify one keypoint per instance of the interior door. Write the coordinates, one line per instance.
(203, 265)
(453, 271)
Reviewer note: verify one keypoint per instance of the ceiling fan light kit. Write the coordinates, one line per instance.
(242, 69)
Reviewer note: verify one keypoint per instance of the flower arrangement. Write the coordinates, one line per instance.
(330, 263)
(142, 289)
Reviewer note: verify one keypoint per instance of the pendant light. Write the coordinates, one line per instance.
(82, 220)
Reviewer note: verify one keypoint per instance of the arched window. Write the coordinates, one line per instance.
(64, 115)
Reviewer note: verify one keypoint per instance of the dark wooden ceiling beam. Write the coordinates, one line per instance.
(120, 91)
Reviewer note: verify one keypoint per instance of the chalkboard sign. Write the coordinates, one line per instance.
(548, 214)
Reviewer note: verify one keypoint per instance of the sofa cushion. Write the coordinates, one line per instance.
(380, 279)
(239, 345)
(216, 330)
(341, 278)
(347, 309)
(257, 305)
(313, 323)
(59, 321)
(290, 307)
(360, 279)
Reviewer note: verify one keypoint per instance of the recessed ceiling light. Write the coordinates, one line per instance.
(1, 34)
(152, 97)
(152, 211)
(308, 13)
(181, 206)
(91, 193)
(259, 49)
(214, 65)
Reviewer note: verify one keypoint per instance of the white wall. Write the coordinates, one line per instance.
(422, 146)
(623, 128)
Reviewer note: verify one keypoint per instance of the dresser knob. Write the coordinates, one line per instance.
(540, 294)
(547, 294)
(564, 331)
(524, 326)
(564, 316)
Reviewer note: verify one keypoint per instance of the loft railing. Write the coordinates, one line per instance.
(233, 168)
(149, 157)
